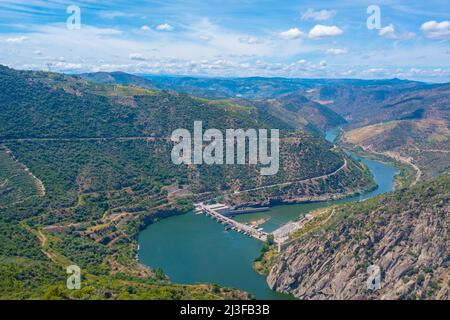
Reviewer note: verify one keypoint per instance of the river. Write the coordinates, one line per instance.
(196, 249)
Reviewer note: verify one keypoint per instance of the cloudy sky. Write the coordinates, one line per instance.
(303, 39)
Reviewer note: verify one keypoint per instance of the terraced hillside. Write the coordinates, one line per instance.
(17, 183)
(425, 144)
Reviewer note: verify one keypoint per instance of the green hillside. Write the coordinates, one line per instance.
(302, 113)
(375, 103)
(424, 144)
(286, 103)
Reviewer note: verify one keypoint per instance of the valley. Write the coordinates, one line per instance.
(209, 253)
(107, 174)
(88, 179)
(422, 144)
(216, 159)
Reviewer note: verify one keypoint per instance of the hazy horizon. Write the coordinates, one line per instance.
(311, 39)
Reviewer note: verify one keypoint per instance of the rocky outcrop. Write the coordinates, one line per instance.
(405, 234)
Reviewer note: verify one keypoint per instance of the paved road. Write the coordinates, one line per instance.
(296, 181)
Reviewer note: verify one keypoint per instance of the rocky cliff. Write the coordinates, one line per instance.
(404, 233)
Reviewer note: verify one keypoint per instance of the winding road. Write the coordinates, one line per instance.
(296, 181)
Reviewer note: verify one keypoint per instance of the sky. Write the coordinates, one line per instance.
(230, 38)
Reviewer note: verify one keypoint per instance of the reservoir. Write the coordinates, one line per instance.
(196, 249)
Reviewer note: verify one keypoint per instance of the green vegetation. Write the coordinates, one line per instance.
(406, 174)
(102, 154)
(16, 183)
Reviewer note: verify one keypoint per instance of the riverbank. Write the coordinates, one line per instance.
(408, 174)
(195, 249)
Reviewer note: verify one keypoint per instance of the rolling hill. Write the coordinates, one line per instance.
(118, 78)
(298, 111)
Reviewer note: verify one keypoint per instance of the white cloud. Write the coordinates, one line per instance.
(388, 32)
(116, 14)
(250, 40)
(67, 66)
(16, 40)
(346, 73)
(320, 15)
(100, 49)
(291, 34)
(101, 32)
(145, 28)
(38, 52)
(90, 45)
(407, 36)
(137, 57)
(436, 30)
(205, 38)
(164, 27)
(336, 51)
(321, 31)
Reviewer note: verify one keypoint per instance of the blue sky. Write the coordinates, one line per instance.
(304, 39)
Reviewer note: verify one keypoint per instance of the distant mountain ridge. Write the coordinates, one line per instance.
(295, 107)
(118, 78)
(292, 108)
(360, 102)
(250, 87)
(373, 104)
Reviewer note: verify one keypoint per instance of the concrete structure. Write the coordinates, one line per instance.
(214, 212)
(280, 236)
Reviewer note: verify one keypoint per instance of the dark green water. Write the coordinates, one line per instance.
(196, 249)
